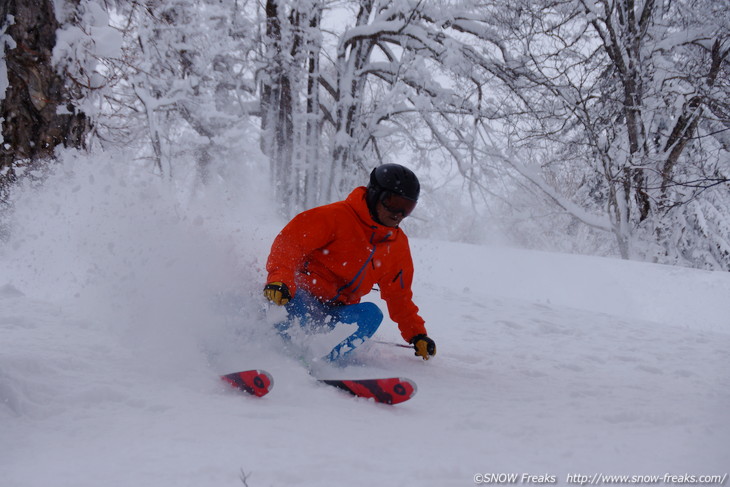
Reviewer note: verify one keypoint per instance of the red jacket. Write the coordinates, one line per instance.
(337, 252)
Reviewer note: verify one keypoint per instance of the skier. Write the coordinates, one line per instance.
(327, 258)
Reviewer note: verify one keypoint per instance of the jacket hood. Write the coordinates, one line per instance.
(356, 200)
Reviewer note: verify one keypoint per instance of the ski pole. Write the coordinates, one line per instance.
(392, 344)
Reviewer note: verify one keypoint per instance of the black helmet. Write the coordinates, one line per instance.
(392, 179)
(396, 179)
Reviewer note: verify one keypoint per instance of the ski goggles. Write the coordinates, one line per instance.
(394, 203)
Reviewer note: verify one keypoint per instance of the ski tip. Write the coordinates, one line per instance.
(255, 382)
(405, 390)
(269, 380)
(412, 384)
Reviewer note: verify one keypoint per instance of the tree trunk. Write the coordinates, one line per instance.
(351, 58)
(276, 107)
(36, 112)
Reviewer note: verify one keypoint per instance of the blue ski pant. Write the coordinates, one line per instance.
(311, 314)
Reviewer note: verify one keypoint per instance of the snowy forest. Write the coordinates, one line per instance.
(597, 127)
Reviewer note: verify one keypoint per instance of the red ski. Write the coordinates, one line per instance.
(393, 390)
(255, 382)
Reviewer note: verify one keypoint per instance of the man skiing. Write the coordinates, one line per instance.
(327, 258)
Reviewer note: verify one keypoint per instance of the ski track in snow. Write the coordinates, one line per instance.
(534, 374)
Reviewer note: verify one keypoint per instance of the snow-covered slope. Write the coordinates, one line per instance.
(115, 322)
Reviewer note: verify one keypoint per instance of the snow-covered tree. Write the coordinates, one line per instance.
(38, 103)
(184, 83)
(291, 115)
(617, 111)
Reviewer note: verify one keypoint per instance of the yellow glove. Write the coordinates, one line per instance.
(424, 346)
(277, 293)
